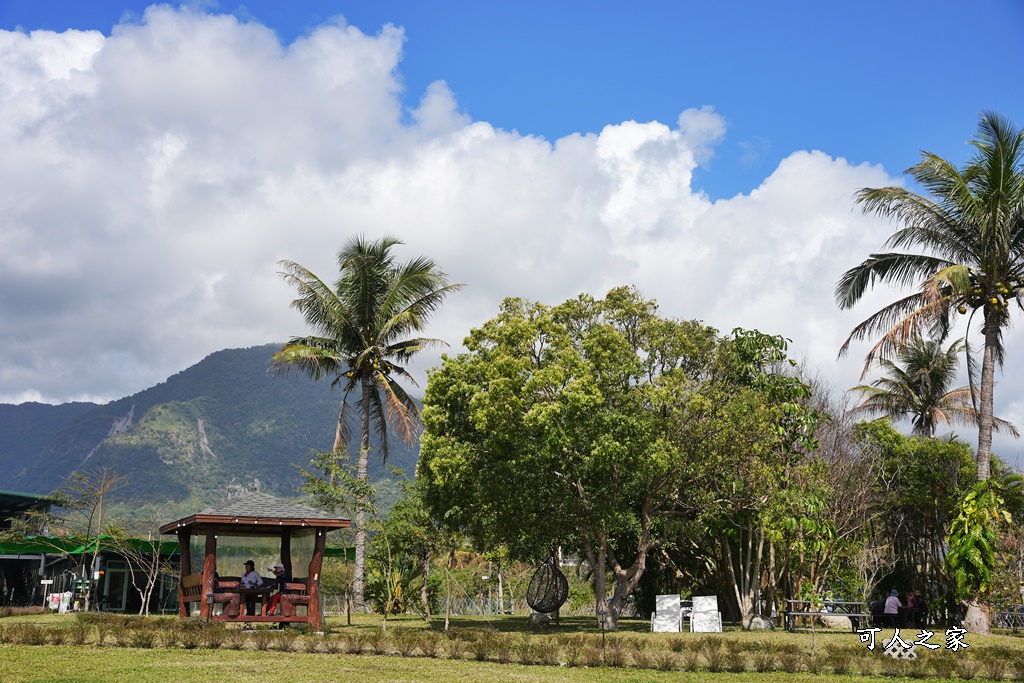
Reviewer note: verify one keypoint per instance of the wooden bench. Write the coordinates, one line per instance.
(297, 594)
(190, 589)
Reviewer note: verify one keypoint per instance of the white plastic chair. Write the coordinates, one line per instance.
(668, 615)
(706, 618)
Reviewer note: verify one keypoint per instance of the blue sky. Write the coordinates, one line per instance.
(160, 160)
(873, 81)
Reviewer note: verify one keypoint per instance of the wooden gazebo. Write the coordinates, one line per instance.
(256, 515)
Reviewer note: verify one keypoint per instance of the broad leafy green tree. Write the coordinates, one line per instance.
(364, 330)
(917, 386)
(595, 425)
(965, 243)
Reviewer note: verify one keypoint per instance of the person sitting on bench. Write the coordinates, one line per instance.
(283, 577)
(250, 579)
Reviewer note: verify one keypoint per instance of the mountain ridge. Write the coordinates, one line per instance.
(221, 425)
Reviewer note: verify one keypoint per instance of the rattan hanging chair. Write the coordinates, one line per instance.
(548, 588)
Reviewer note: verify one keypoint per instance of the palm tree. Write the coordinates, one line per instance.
(360, 340)
(917, 387)
(971, 231)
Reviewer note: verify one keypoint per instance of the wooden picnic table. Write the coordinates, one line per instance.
(855, 611)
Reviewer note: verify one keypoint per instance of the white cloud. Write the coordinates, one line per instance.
(151, 181)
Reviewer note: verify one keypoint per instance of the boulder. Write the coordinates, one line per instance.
(537, 620)
(836, 621)
(759, 623)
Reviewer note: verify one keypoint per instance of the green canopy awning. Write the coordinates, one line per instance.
(346, 553)
(70, 545)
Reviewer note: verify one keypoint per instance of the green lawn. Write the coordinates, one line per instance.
(111, 662)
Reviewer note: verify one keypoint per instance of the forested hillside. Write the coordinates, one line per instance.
(225, 422)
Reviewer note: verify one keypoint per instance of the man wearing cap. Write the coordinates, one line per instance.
(282, 578)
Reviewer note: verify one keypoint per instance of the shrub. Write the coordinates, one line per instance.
(710, 644)
(141, 637)
(549, 653)
(379, 642)
(261, 638)
(677, 644)
(642, 659)
(890, 667)
(311, 644)
(102, 631)
(455, 648)
(235, 639)
(789, 663)
(736, 662)
(840, 663)
(78, 633)
(867, 666)
(615, 653)
(354, 643)
(733, 646)
(122, 634)
(167, 637)
(764, 662)
(715, 659)
(690, 661)
(593, 656)
(967, 669)
(666, 661)
(429, 643)
(995, 669)
(481, 647)
(56, 635)
(286, 640)
(526, 651)
(405, 642)
(332, 645)
(918, 668)
(214, 635)
(943, 667)
(572, 646)
(815, 665)
(504, 646)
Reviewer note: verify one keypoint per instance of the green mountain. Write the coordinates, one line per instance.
(223, 424)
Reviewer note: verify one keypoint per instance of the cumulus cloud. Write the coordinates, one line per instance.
(152, 179)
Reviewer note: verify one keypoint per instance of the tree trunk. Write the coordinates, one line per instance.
(977, 620)
(501, 591)
(424, 592)
(988, 368)
(744, 571)
(358, 579)
(600, 588)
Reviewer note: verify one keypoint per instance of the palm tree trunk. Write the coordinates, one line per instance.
(988, 367)
(358, 580)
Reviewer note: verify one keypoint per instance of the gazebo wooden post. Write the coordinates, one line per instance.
(313, 609)
(286, 550)
(185, 553)
(209, 569)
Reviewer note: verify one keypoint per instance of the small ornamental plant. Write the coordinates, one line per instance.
(429, 643)
(666, 661)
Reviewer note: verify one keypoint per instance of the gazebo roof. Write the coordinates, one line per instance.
(255, 513)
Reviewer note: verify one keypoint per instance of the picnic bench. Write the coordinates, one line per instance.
(856, 612)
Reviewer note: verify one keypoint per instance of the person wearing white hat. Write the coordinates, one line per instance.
(283, 577)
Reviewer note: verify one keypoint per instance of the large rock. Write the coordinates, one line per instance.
(537, 620)
(759, 623)
(836, 621)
